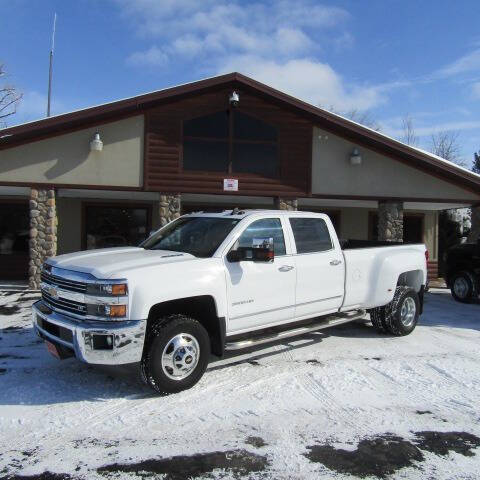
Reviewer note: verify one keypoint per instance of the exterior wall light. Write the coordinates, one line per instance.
(234, 99)
(355, 157)
(96, 145)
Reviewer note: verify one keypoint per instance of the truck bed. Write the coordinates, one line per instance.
(351, 244)
(371, 270)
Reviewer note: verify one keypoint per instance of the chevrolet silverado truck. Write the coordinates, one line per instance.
(207, 283)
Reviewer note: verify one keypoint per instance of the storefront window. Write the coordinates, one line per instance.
(14, 228)
(115, 226)
(14, 238)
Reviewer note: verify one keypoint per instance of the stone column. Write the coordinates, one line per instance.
(169, 208)
(286, 203)
(390, 221)
(474, 235)
(43, 231)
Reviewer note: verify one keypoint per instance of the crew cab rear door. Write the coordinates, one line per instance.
(261, 294)
(319, 264)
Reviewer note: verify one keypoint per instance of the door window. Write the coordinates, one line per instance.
(311, 235)
(264, 228)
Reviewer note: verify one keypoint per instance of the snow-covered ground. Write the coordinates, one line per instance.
(344, 401)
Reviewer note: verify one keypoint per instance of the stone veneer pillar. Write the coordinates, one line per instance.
(43, 232)
(169, 208)
(474, 235)
(390, 221)
(286, 203)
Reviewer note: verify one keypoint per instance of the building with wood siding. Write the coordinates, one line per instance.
(189, 148)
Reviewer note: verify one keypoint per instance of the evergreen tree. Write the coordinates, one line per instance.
(476, 162)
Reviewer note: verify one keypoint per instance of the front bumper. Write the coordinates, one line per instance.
(97, 342)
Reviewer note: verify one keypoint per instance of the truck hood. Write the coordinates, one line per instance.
(104, 263)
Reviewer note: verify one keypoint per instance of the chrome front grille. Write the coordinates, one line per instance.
(56, 287)
(64, 304)
(64, 283)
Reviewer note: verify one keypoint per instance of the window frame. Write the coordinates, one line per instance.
(332, 239)
(225, 248)
(230, 140)
(259, 220)
(130, 205)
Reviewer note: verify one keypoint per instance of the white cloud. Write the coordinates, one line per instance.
(465, 64)
(151, 57)
(276, 42)
(476, 90)
(309, 80)
(210, 29)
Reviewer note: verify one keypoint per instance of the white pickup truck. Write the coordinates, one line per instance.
(210, 282)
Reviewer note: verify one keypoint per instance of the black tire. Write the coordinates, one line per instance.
(158, 338)
(403, 297)
(470, 288)
(377, 317)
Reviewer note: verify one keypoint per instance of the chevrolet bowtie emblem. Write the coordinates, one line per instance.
(52, 291)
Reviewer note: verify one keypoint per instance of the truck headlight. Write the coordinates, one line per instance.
(107, 289)
(105, 310)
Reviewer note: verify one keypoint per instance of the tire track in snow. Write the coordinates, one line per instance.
(318, 391)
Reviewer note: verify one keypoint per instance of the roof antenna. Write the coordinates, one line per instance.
(51, 66)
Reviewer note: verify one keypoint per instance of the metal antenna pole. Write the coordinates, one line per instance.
(51, 66)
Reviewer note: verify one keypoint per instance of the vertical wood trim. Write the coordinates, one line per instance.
(310, 166)
(231, 126)
(146, 129)
(180, 147)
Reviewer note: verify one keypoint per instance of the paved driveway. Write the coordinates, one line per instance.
(345, 401)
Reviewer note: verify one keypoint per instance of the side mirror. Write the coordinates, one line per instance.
(262, 250)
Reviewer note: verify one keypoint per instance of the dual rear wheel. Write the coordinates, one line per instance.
(177, 347)
(400, 316)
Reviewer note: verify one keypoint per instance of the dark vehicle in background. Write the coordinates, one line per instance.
(462, 271)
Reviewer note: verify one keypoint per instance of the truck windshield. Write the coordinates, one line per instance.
(199, 236)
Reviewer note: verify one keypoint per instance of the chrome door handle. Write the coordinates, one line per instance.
(285, 268)
(335, 262)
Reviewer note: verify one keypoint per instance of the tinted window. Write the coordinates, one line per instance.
(205, 155)
(247, 127)
(265, 228)
(311, 235)
(199, 236)
(210, 146)
(259, 158)
(209, 126)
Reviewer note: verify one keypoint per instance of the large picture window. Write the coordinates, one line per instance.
(231, 142)
(14, 239)
(115, 226)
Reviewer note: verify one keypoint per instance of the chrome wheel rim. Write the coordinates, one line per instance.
(460, 287)
(180, 356)
(407, 313)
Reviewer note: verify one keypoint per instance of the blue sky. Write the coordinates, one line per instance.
(392, 58)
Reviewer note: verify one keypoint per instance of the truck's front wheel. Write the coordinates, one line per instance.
(176, 354)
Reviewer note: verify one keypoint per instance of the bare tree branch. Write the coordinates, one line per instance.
(9, 99)
(445, 144)
(409, 136)
(363, 117)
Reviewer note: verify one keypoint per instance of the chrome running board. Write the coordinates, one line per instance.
(323, 322)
